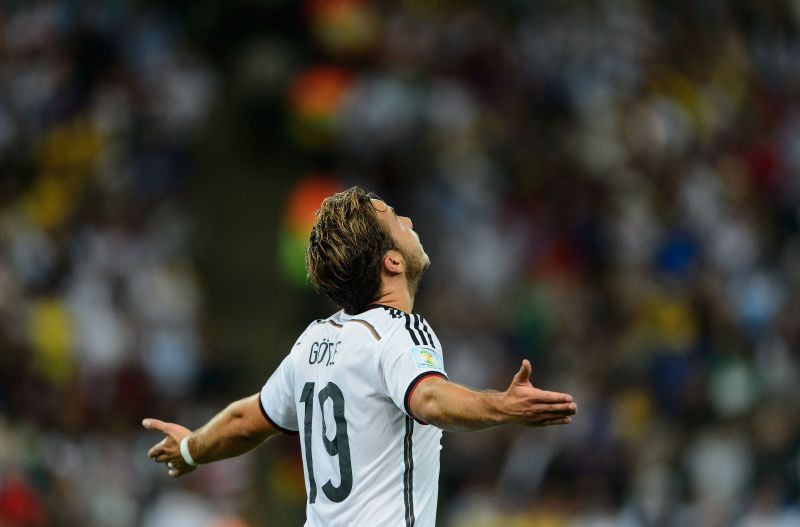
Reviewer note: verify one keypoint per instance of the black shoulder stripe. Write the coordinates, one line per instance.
(411, 331)
(419, 330)
(426, 329)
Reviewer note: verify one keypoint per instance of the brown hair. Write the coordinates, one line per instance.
(348, 244)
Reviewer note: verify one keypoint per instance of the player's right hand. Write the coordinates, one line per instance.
(168, 450)
(527, 405)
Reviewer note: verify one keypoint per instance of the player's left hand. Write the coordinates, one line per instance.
(529, 406)
(168, 450)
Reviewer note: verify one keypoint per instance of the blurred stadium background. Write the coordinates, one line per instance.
(609, 188)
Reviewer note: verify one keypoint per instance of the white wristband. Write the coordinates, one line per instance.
(187, 456)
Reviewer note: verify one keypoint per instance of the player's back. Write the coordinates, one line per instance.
(344, 388)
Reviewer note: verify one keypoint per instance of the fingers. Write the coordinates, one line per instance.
(547, 416)
(558, 421)
(178, 472)
(543, 396)
(158, 449)
(178, 469)
(155, 424)
(550, 421)
(174, 462)
(523, 376)
(540, 415)
(559, 409)
(174, 468)
(167, 450)
(559, 414)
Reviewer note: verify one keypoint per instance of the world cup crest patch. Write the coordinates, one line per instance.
(427, 359)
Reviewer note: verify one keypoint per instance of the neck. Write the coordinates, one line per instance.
(396, 295)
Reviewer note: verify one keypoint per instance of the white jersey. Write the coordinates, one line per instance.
(345, 388)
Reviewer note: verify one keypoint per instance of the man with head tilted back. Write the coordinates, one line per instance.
(365, 389)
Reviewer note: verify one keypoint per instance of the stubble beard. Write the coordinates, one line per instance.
(416, 265)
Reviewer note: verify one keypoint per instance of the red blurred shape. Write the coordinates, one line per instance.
(320, 91)
(20, 506)
(305, 198)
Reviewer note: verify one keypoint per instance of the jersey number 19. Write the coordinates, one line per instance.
(339, 446)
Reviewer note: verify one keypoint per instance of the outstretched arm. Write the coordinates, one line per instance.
(453, 407)
(237, 429)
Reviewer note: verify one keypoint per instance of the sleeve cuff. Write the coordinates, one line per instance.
(413, 386)
(273, 423)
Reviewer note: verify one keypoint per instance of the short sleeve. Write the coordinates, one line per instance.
(277, 398)
(406, 363)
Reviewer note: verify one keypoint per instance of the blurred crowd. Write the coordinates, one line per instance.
(99, 301)
(611, 189)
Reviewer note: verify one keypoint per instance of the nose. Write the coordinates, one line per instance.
(408, 222)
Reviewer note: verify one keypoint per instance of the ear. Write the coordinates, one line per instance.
(393, 262)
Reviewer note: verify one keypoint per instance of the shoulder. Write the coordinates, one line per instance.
(400, 328)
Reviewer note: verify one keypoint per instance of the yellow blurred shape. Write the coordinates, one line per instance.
(51, 339)
(675, 324)
(287, 482)
(72, 147)
(631, 415)
(66, 160)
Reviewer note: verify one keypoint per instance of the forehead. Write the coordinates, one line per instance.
(379, 205)
(383, 212)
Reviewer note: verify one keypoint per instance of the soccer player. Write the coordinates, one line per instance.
(365, 388)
